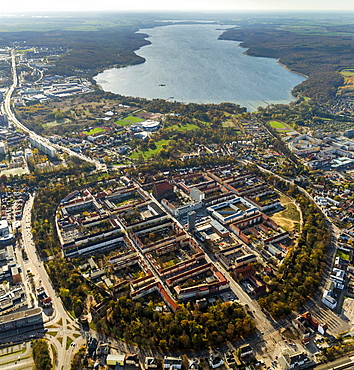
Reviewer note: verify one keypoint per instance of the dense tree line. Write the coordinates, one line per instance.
(79, 361)
(303, 113)
(88, 51)
(189, 327)
(163, 106)
(66, 279)
(41, 356)
(300, 274)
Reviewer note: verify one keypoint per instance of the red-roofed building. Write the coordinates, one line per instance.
(162, 190)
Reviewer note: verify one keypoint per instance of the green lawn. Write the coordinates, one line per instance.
(94, 131)
(149, 153)
(68, 342)
(280, 126)
(344, 256)
(133, 119)
(122, 122)
(185, 127)
(277, 124)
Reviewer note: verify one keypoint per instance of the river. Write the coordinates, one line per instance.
(188, 63)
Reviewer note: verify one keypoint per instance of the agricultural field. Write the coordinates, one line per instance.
(348, 87)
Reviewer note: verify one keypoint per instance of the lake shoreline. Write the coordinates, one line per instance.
(260, 56)
(232, 78)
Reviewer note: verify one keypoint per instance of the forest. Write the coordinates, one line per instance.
(41, 356)
(89, 51)
(319, 57)
(301, 273)
(188, 328)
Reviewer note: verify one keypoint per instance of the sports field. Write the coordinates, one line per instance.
(133, 119)
(279, 126)
(122, 122)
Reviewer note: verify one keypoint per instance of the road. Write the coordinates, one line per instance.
(264, 325)
(67, 326)
(6, 108)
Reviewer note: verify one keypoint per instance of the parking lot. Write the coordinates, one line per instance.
(348, 309)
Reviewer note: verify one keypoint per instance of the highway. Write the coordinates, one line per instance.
(66, 324)
(6, 109)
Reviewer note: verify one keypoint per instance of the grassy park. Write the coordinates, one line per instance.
(149, 153)
(185, 127)
(288, 218)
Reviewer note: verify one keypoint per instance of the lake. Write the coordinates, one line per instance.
(188, 63)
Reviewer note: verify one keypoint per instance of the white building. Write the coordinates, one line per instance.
(4, 228)
(42, 146)
(3, 147)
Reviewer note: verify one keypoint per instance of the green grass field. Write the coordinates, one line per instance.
(344, 256)
(94, 131)
(185, 127)
(149, 153)
(277, 124)
(133, 119)
(122, 123)
(280, 126)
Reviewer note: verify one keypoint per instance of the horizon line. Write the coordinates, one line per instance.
(17, 12)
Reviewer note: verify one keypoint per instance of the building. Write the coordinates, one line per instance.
(338, 278)
(327, 297)
(172, 363)
(6, 237)
(113, 360)
(304, 145)
(246, 350)
(4, 228)
(150, 363)
(215, 361)
(4, 120)
(349, 134)
(16, 277)
(42, 146)
(295, 361)
(232, 210)
(162, 190)
(19, 320)
(191, 220)
(3, 147)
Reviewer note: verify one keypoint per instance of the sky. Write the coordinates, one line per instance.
(254, 5)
